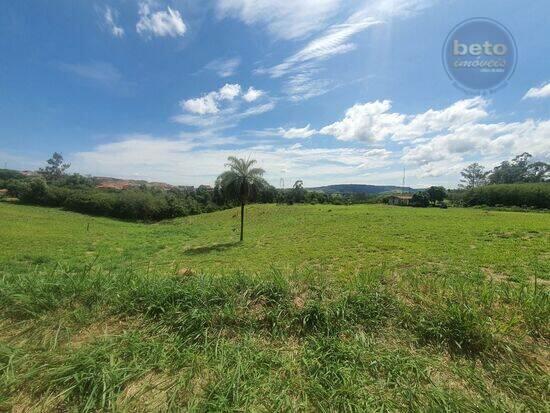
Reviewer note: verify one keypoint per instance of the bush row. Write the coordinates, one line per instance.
(536, 195)
(132, 204)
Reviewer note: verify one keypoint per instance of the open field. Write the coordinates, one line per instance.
(331, 308)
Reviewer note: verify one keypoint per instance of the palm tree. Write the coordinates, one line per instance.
(240, 182)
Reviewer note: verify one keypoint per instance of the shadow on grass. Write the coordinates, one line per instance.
(205, 249)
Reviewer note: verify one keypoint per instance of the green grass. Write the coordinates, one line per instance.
(322, 308)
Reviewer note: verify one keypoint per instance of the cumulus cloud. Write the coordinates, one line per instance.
(366, 122)
(110, 16)
(448, 136)
(208, 104)
(160, 23)
(253, 94)
(373, 121)
(538, 92)
(229, 92)
(283, 19)
(486, 140)
(223, 108)
(203, 105)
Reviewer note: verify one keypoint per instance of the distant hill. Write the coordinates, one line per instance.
(361, 189)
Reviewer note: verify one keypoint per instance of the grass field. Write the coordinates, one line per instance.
(321, 308)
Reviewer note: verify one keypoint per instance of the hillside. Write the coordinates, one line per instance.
(361, 189)
(347, 308)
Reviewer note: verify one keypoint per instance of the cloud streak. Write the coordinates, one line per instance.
(283, 19)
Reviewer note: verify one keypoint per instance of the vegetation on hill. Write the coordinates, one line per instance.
(361, 189)
(356, 308)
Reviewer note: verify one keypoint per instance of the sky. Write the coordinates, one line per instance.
(326, 91)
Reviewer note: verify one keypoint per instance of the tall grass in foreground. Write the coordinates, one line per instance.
(82, 339)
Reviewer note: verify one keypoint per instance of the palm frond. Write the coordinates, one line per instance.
(256, 172)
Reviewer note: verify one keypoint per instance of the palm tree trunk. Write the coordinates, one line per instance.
(242, 219)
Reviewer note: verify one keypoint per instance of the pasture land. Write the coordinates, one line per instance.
(331, 308)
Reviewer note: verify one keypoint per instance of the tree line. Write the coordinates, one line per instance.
(521, 169)
(520, 182)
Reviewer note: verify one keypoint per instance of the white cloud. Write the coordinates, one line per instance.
(208, 104)
(160, 23)
(538, 92)
(224, 67)
(203, 105)
(253, 94)
(449, 136)
(373, 121)
(110, 17)
(190, 161)
(222, 108)
(229, 92)
(368, 122)
(283, 19)
(297, 133)
(498, 140)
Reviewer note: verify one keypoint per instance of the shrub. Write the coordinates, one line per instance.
(420, 199)
(457, 325)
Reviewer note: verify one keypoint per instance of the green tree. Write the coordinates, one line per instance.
(55, 169)
(473, 176)
(436, 194)
(298, 192)
(241, 182)
(420, 199)
(520, 169)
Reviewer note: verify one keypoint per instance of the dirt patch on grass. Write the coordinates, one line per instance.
(494, 275)
(149, 393)
(185, 272)
(24, 403)
(111, 326)
(299, 301)
(497, 276)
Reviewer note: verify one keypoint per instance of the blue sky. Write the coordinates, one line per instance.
(328, 91)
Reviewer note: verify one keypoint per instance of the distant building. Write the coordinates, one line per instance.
(206, 188)
(119, 185)
(402, 200)
(187, 188)
(29, 173)
(161, 185)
